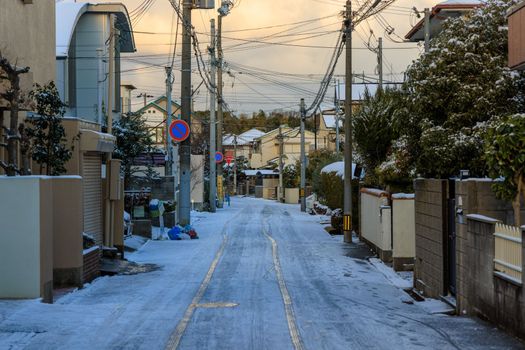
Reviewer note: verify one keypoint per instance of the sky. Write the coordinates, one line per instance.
(262, 76)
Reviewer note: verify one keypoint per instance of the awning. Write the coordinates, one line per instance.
(94, 141)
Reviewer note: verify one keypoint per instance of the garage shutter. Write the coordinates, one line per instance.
(92, 175)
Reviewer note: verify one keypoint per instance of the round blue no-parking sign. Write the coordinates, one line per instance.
(179, 130)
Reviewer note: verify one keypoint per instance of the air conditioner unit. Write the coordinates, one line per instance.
(204, 4)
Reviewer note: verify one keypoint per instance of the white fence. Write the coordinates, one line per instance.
(376, 220)
(508, 251)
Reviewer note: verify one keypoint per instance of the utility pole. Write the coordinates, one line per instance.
(234, 164)
(224, 10)
(380, 62)
(336, 111)
(169, 143)
(315, 128)
(347, 214)
(280, 195)
(427, 30)
(303, 157)
(145, 96)
(219, 99)
(184, 205)
(213, 126)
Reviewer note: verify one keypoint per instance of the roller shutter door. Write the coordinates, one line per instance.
(92, 179)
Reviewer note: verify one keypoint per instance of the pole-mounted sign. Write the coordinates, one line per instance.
(219, 157)
(179, 130)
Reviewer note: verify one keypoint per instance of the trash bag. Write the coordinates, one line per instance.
(174, 233)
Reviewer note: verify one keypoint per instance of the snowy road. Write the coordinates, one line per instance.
(262, 276)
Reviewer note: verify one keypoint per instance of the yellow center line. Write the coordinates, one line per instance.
(287, 300)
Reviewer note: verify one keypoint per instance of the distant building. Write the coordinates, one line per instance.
(125, 97)
(241, 145)
(266, 148)
(155, 114)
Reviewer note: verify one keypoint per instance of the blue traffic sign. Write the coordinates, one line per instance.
(179, 130)
(219, 157)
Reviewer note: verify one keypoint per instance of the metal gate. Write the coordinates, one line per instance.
(92, 186)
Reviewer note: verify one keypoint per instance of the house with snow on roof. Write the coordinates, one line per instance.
(240, 146)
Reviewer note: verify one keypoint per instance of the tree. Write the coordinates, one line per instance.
(290, 176)
(374, 129)
(133, 139)
(456, 88)
(505, 156)
(47, 134)
(317, 160)
(14, 97)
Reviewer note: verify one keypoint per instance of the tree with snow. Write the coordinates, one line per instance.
(46, 133)
(456, 88)
(133, 139)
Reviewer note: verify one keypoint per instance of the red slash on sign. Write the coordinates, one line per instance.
(179, 130)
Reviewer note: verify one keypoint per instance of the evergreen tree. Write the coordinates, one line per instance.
(453, 90)
(47, 134)
(133, 140)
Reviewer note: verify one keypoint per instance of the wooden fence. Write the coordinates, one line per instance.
(508, 252)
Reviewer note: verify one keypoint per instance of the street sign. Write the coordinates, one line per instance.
(219, 157)
(179, 130)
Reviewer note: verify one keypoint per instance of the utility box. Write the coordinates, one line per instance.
(204, 4)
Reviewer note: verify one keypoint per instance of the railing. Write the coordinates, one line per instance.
(508, 252)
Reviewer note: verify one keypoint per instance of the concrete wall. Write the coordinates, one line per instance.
(376, 222)
(431, 225)
(26, 238)
(403, 232)
(291, 195)
(197, 180)
(483, 293)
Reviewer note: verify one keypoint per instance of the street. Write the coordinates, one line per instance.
(262, 276)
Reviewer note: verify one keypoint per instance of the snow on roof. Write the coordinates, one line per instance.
(68, 14)
(245, 138)
(262, 172)
(329, 120)
(251, 134)
(338, 168)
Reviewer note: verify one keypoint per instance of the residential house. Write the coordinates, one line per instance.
(83, 49)
(266, 147)
(438, 14)
(240, 146)
(28, 46)
(82, 53)
(155, 114)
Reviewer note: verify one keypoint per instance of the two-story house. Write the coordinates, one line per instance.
(266, 151)
(90, 39)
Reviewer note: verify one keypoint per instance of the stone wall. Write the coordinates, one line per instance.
(482, 293)
(431, 227)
